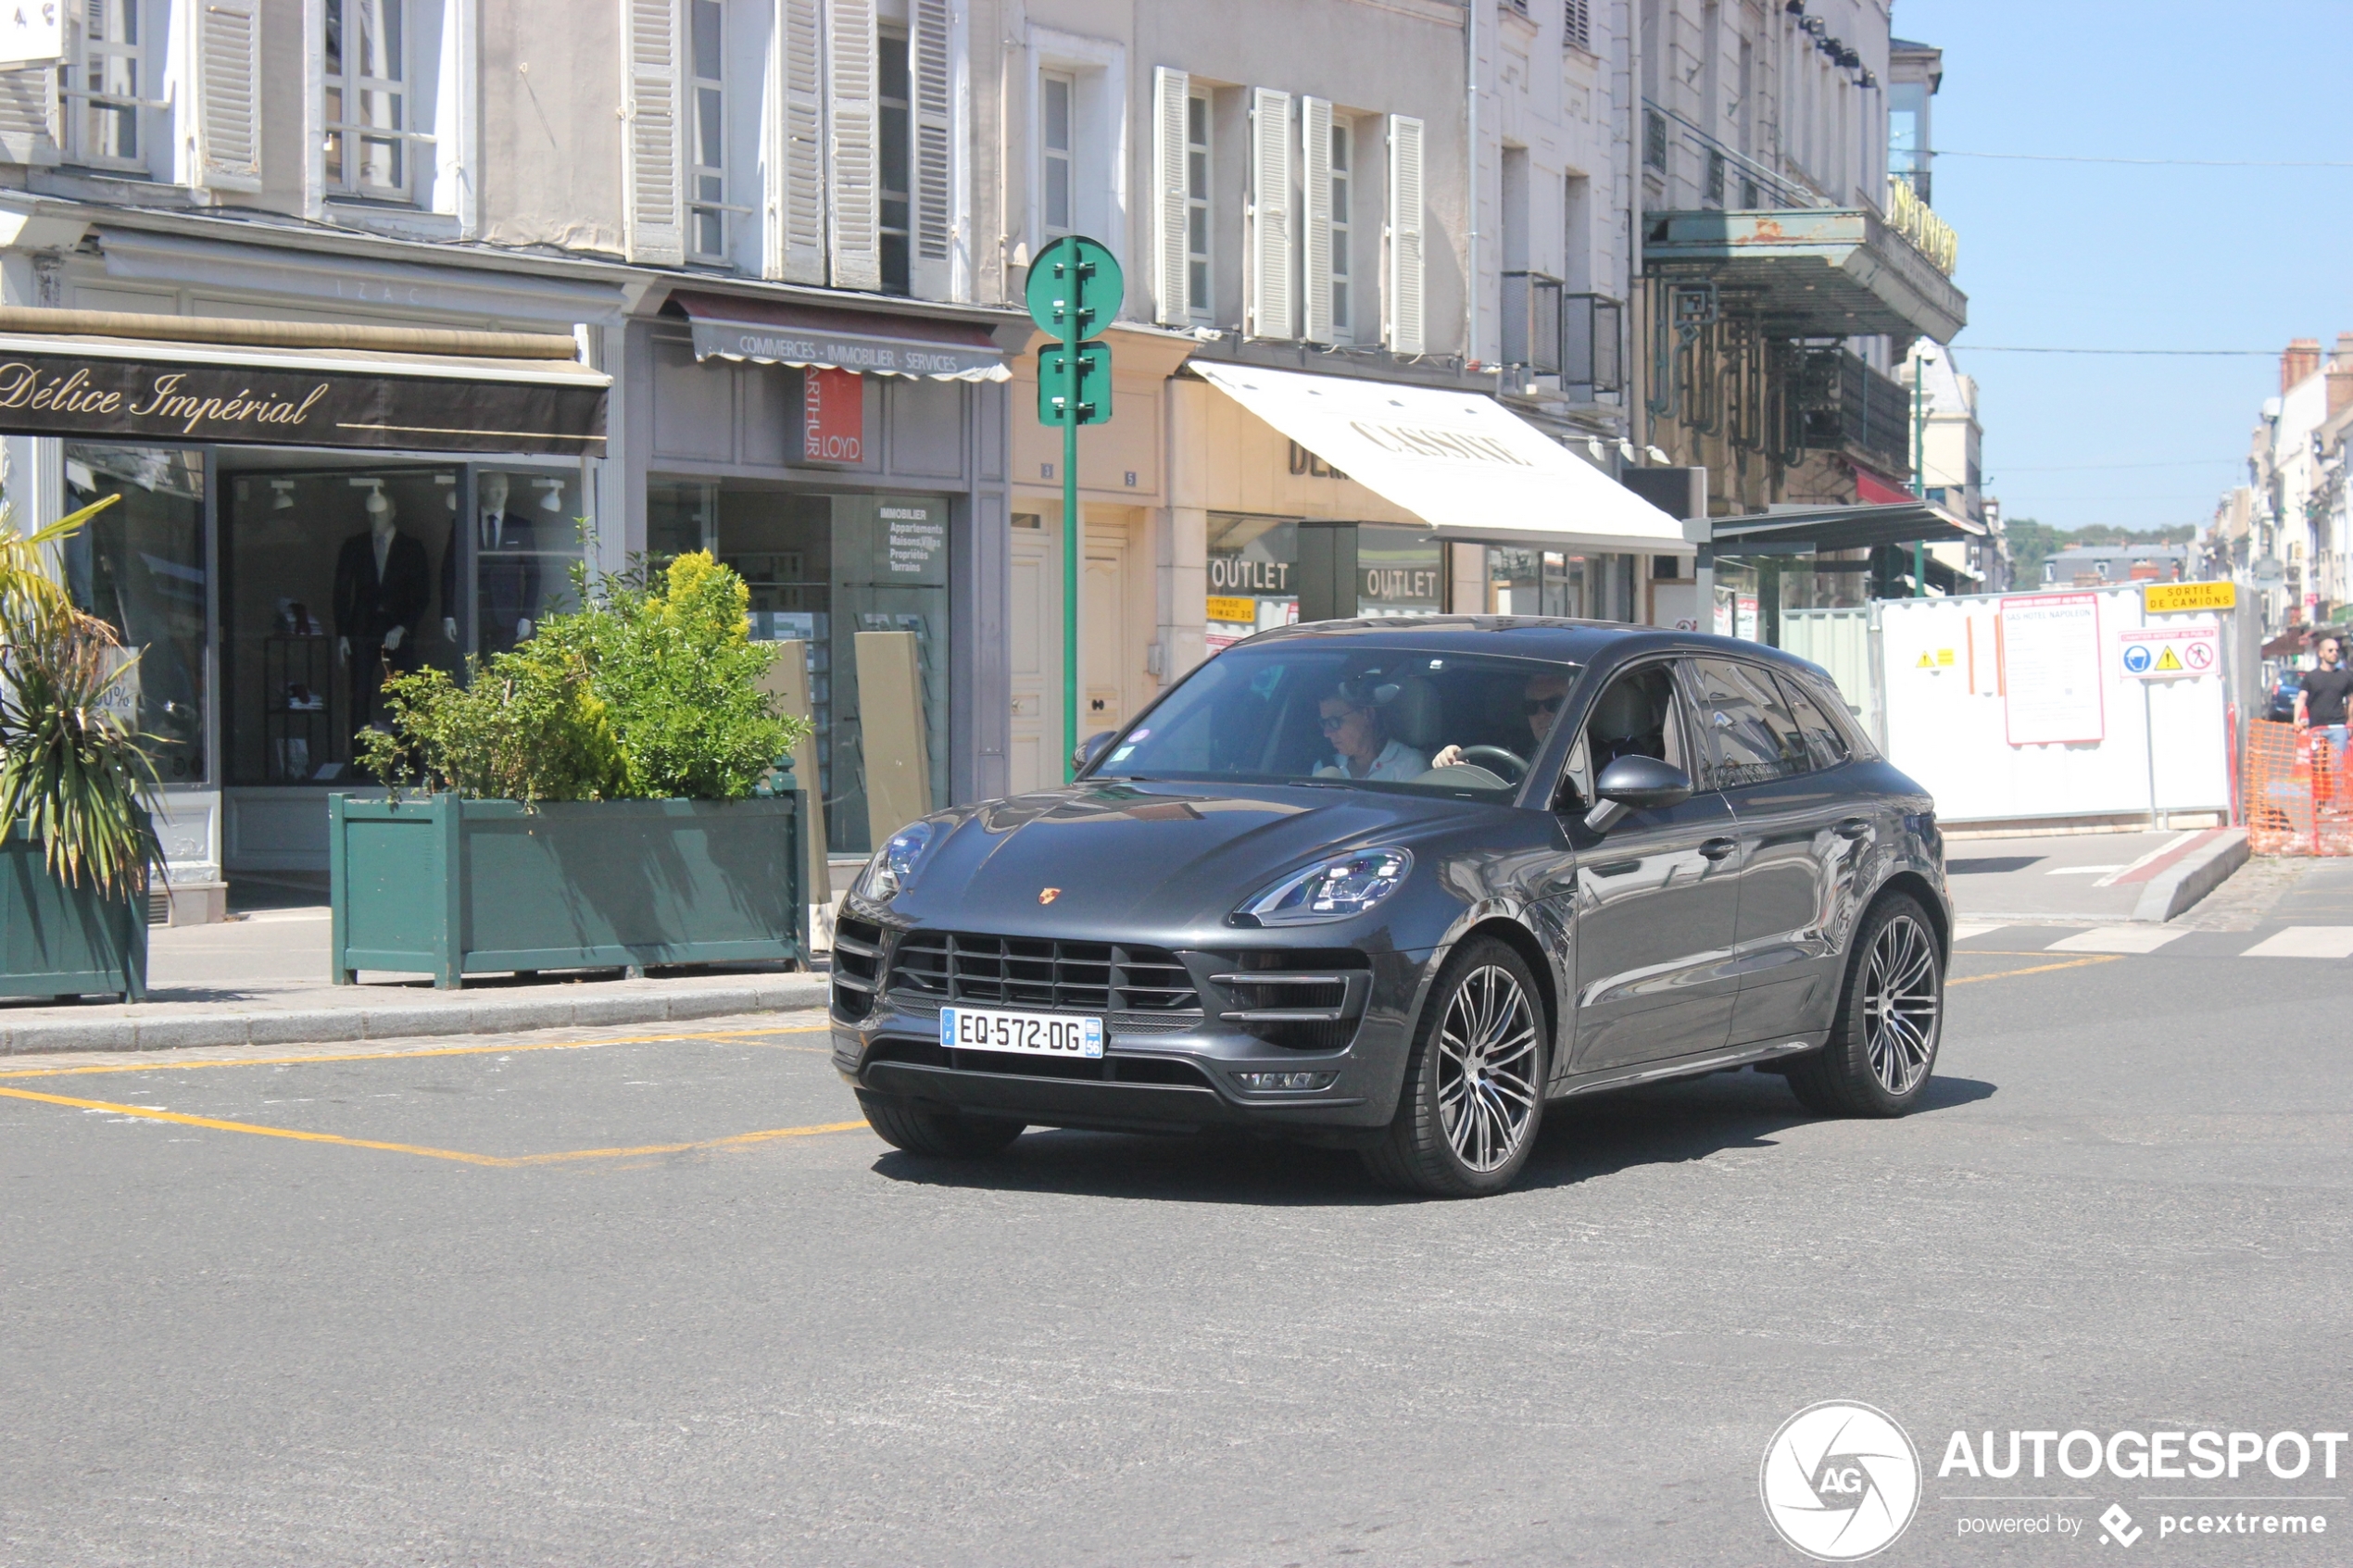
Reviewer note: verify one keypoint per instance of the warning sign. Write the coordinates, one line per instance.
(2173, 598)
(2164, 653)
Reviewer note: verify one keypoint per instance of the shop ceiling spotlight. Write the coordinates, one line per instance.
(284, 502)
(552, 498)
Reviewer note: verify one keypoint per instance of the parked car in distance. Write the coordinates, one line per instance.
(1395, 885)
(2280, 708)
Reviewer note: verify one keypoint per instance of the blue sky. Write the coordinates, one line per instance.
(2110, 256)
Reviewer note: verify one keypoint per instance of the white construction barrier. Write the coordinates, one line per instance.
(2069, 704)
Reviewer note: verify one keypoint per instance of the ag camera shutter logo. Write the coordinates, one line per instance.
(1840, 1481)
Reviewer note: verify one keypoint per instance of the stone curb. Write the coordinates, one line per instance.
(505, 1014)
(2192, 877)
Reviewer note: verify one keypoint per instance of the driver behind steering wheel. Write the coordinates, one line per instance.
(1540, 703)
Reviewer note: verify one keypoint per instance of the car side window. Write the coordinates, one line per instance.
(1637, 715)
(1825, 742)
(1750, 735)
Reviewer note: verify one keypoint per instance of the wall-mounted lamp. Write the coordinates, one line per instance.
(1816, 26)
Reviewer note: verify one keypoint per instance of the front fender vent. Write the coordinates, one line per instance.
(1300, 999)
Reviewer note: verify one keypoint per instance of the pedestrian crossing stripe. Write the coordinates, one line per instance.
(2166, 660)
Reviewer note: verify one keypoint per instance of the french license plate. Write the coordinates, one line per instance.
(1031, 1034)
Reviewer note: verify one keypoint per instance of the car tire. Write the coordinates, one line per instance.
(1474, 1092)
(940, 1134)
(1891, 1019)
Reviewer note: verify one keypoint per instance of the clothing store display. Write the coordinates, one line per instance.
(382, 582)
(506, 567)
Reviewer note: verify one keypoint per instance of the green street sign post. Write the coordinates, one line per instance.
(1075, 286)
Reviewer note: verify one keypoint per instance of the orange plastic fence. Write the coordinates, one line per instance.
(2297, 796)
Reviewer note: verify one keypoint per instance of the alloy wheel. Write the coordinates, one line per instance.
(1901, 999)
(1486, 1067)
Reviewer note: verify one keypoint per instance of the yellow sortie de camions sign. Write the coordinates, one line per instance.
(1243, 610)
(2171, 599)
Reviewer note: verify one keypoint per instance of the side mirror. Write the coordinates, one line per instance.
(1636, 783)
(1090, 748)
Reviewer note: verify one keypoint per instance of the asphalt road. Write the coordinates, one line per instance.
(409, 1338)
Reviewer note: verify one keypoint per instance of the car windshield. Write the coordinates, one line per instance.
(1381, 719)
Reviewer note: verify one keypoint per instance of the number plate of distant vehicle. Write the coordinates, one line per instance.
(1031, 1034)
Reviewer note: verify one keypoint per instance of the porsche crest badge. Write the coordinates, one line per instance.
(1048, 895)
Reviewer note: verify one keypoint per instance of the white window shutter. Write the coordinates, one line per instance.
(653, 177)
(932, 223)
(228, 82)
(1172, 305)
(855, 197)
(795, 177)
(29, 115)
(1404, 260)
(1273, 291)
(1315, 168)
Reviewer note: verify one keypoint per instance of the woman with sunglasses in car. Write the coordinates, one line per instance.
(1360, 749)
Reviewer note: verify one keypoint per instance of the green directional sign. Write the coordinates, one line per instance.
(1074, 385)
(1074, 287)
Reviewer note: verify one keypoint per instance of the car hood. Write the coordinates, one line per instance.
(1133, 857)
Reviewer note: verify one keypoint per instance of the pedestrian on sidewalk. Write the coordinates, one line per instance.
(2319, 705)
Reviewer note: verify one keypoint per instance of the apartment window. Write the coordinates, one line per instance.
(896, 137)
(1197, 273)
(1059, 91)
(102, 107)
(707, 109)
(1343, 175)
(367, 96)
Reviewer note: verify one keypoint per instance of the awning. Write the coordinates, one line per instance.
(873, 343)
(1460, 461)
(1840, 528)
(1807, 272)
(93, 375)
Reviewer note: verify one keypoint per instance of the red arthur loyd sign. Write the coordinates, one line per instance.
(833, 416)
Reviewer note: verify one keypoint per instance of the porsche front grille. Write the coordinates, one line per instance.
(1139, 987)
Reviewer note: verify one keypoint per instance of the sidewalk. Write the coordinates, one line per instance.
(2097, 878)
(263, 981)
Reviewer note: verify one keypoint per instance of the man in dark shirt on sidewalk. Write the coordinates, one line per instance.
(2319, 703)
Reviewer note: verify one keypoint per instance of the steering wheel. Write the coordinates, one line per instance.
(1495, 760)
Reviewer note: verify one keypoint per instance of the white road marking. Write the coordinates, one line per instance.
(2117, 939)
(2085, 871)
(2166, 848)
(2306, 942)
(1964, 929)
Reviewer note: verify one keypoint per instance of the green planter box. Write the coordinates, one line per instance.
(450, 888)
(60, 941)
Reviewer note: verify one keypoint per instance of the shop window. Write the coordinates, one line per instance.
(682, 516)
(1399, 571)
(139, 566)
(1253, 565)
(335, 578)
(822, 568)
(1522, 582)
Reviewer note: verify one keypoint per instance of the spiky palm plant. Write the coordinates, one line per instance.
(72, 772)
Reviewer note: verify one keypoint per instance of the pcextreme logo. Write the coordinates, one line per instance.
(1840, 1481)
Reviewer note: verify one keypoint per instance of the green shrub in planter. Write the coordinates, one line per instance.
(651, 692)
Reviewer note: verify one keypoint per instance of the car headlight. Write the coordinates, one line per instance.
(1339, 888)
(894, 863)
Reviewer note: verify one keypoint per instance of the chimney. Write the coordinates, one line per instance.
(2303, 358)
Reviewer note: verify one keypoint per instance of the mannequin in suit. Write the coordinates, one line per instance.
(506, 566)
(383, 586)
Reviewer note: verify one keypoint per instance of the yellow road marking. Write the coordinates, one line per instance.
(143, 1114)
(172, 1065)
(2037, 969)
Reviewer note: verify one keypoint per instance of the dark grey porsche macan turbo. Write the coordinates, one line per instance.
(1395, 884)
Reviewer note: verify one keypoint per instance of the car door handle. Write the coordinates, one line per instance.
(1717, 848)
(1855, 827)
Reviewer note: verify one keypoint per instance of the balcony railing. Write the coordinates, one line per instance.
(1842, 403)
(1578, 337)
(1725, 172)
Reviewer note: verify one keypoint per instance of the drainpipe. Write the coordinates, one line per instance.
(1636, 413)
(1470, 88)
(1919, 464)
